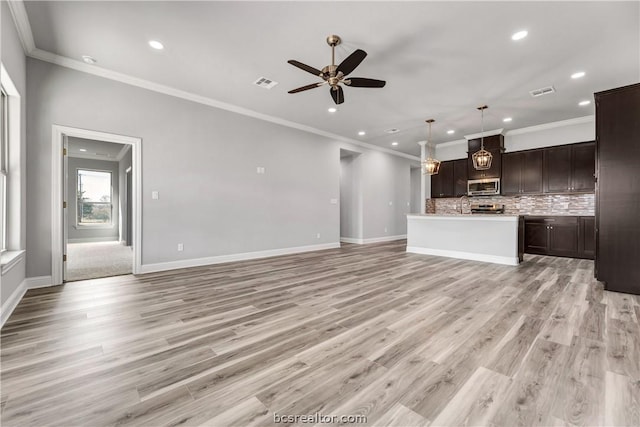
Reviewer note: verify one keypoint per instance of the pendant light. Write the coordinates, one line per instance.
(430, 166)
(482, 158)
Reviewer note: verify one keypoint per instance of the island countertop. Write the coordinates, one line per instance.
(481, 237)
(497, 217)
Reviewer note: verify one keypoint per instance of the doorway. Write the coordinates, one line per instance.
(351, 210)
(96, 211)
(96, 204)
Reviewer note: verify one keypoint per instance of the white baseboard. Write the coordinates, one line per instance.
(39, 282)
(495, 259)
(197, 262)
(12, 302)
(352, 240)
(93, 239)
(373, 239)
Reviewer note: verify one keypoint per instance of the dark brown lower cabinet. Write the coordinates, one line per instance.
(568, 236)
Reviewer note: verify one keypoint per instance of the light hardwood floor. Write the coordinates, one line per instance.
(404, 339)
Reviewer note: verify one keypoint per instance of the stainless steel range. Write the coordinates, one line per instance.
(487, 209)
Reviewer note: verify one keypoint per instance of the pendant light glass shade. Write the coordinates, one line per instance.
(430, 166)
(482, 158)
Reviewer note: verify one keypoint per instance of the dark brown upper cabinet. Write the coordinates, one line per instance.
(569, 168)
(493, 144)
(442, 183)
(522, 172)
(460, 177)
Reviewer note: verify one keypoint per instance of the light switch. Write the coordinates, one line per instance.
(155, 195)
(334, 201)
(390, 203)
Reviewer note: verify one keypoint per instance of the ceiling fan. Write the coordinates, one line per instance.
(334, 75)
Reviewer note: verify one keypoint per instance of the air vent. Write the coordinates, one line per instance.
(265, 83)
(542, 91)
(392, 130)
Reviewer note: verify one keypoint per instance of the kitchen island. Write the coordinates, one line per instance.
(495, 238)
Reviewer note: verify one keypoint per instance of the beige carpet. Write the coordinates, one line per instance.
(101, 259)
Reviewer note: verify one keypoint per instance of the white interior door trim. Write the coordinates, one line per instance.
(57, 181)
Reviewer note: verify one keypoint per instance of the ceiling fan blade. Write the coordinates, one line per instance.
(307, 87)
(362, 82)
(337, 94)
(351, 62)
(305, 67)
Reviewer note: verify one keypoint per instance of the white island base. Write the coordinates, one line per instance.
(489, 237)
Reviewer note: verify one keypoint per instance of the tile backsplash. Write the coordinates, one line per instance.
(544, 204)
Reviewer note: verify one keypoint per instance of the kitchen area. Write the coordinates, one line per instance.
(543, 201)
(547, 195)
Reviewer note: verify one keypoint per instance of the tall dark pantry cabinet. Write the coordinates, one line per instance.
(618, 189)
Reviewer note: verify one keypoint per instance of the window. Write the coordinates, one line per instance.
(94, 197)
(4, 142)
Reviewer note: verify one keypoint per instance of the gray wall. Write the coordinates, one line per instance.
(202, 161)
(13, 59)
(385, 194)
(350, 197)
(78, 233)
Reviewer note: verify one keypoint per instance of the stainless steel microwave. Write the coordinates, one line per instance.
(483, 187)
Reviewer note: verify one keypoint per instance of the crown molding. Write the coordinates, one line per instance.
(21, 19)
(450, 143)
(485, 133)
(167, 90)
(552, 125)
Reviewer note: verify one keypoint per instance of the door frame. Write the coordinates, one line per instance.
(57, 183)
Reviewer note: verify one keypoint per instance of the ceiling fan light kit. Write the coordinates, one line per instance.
(335, 75)
(482, 158)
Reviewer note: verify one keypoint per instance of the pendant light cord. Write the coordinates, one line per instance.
(482, 129)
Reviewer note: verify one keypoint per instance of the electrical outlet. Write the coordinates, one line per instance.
(390, 203)
(333, 201)
(155, 195)
(385, 229)
(318, 236)
(180, 247)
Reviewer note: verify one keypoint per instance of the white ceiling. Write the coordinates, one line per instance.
(98, 150)
(440, 59)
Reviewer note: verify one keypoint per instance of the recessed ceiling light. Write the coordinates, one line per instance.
(83, 149)
(507, 119)
(332, 109)
(89, 59)
(578, 75)
(392, 130)
(362, 133)
(519, 35)
(394, 143)
(451, 131)
(583, 103)
(156, 44)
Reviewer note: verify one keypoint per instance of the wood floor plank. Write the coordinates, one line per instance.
(405, 339)
(582, 385)
(622, 400)
(535, 386)
(477, 401)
